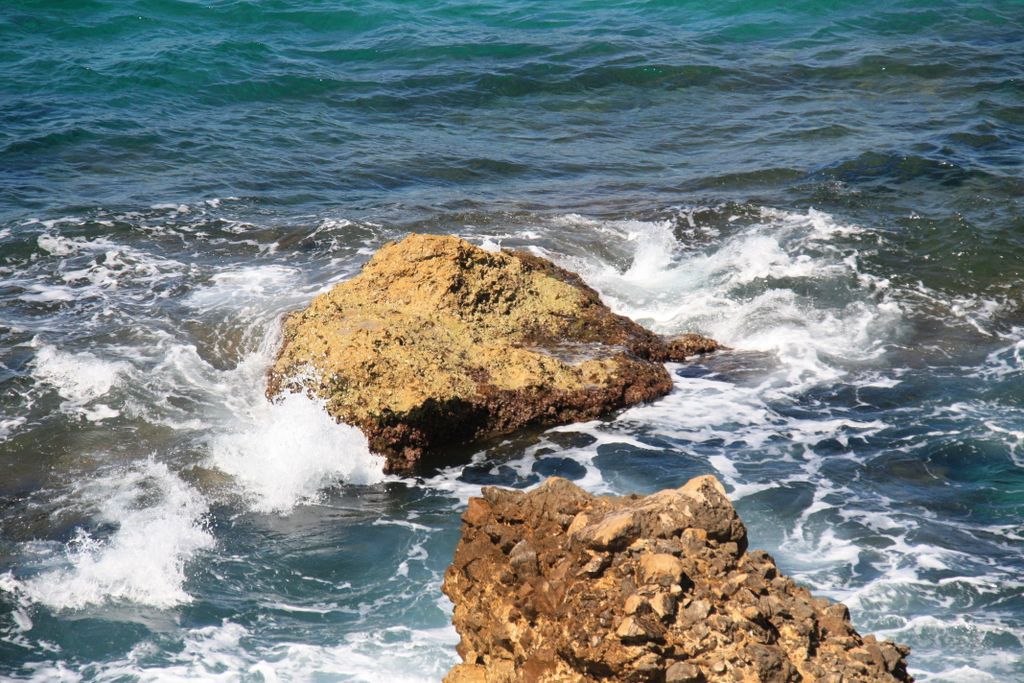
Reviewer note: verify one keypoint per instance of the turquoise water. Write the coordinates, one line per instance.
(833, 190)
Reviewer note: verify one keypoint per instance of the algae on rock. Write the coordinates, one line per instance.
(440, 342)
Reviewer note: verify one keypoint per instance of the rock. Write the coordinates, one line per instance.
(476, 512)
(691, 345)
(439, 342)
(661, 569)
(596, 565)
(684, 672)
(656, 588)
(613, 532)
(664, 605)
(633, 630)
(523, 559)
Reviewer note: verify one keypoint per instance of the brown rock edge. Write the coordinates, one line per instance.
(440, 342)
(559, 585)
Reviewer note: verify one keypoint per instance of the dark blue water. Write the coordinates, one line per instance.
(833, 190)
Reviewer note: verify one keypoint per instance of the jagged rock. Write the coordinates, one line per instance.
(440, 342)
(556, 585)
(682, 672)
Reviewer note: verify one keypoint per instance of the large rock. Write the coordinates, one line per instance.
(437, 342)
(558, 585)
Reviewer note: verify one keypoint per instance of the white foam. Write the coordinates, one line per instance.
(57, 245)
(488, 244)
(160, 527)
(212, 653)
(284, 453)
(42, 293)
(729, 293)
(119, 264)
(100, 412)
(176, 208)
(9, 424)
(705, 408)
(1014, 439)
(1006, 361)
(978, 312)
(397, 654)
(653, 248)
(219, 653)
(240, 287)
(95, 267)
(823, 226)
(328, 225)
(20, 617)
(960, 674)
(963, 646)
(78, 377)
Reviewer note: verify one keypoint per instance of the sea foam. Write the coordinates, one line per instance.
(279, 453)
(284, 453)
(220, 653)
(159, 520)
(80, 378)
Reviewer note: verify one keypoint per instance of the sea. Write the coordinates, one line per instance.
(834, 190)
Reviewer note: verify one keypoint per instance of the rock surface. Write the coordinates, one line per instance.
(440, 342)
(558, 585)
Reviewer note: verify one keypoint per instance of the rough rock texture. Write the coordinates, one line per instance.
(559, 585)
(437, 342)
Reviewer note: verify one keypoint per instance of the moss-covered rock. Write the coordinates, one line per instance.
(440, 342)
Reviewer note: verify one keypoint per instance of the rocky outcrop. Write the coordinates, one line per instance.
(439, 342)
(559, 585)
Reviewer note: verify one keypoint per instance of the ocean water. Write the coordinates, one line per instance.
(834, 190)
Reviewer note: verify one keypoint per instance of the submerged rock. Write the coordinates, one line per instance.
(440, 342)
(558, 585)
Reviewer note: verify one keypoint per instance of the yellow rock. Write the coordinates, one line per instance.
(437, 341)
